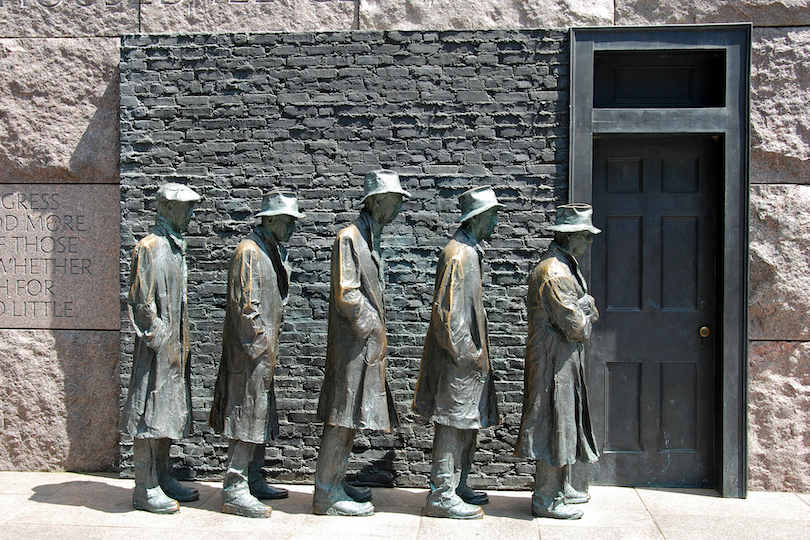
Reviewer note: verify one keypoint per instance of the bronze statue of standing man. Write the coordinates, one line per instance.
(355, 393)
(158, 404)
(556, 429)
(455, 389)
(244, 407)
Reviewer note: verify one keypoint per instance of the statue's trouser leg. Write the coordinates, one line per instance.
(468, 440)
(468, 444)
(148, 495)
(145, 462)
(548, 482)
(256, 464)
(240, 454)
(572, 496)
(236, 497)
(258, 486)
(445, 471)
(330, 497)
(168, 483)
(333, 456)
(548, 499)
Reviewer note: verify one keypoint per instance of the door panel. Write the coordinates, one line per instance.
(653, 277)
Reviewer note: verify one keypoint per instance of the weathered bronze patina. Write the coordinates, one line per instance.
(455, 389)
(158, 404)
(355, 393)
(244, 407)
(556, 426)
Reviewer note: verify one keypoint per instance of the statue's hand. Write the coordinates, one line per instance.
(588, 306)
(376, 346)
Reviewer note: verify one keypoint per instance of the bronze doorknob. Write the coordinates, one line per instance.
(704, 331)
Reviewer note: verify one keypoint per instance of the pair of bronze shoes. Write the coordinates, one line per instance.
(558, 507)
(164, 498)
(346, 500)
(246, 502)
(467, 505)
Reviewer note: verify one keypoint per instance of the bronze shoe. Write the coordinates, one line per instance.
(471, 497)
(154, 500)
(357, 493)
(556, 509)
(453, 509)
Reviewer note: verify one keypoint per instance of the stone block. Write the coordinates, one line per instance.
(59, 400)
(760, 12)
(447, 14)
(779, 300)
(67, 18)
(59, 99)
(779, 416)
(780, 117)
(159, 16)
(59, 248)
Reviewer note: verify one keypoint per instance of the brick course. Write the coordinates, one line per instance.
(234, 115)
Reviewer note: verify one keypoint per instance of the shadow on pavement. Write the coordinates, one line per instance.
(100, 496)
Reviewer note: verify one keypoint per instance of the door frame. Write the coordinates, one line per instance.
(730, 121)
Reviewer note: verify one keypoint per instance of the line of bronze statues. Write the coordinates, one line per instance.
(455, 389)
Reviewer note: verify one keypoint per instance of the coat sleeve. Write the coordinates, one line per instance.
(349, 300)
(559, 296)
(143, 302)
(451, 317)
(246, 294)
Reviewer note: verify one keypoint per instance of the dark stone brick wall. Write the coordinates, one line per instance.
(234, 115)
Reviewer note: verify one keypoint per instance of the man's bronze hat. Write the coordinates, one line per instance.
(574, 217)
(278, 202)
(382, 181)
(477, 201)
(177, 192)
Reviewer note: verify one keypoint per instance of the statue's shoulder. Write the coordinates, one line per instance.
(455, 251)
(350, 231)
(247, 244)
(550, 266)
(151, 242)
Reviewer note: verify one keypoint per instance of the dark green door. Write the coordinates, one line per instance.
(651, 373)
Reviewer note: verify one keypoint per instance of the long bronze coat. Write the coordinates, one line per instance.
(244, 406)
(158, 404)
(355, 392)
(455, 386)
(556, 424)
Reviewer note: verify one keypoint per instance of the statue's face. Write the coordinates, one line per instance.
(178, 214)
(386, 207)
(483, 225)
(579, 242)
(280, 226)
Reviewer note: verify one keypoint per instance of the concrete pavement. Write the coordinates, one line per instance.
(68, 506)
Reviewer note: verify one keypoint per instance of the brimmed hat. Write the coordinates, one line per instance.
(382, 181)
(177, 192)
(277, 202)
(574, 217)
(477, 201)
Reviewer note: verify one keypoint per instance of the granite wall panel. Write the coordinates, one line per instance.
(59, 103)
(760, 12)
(446, 14)
(67, 18)
(170, 16)
(779, 416)
(58, 408)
